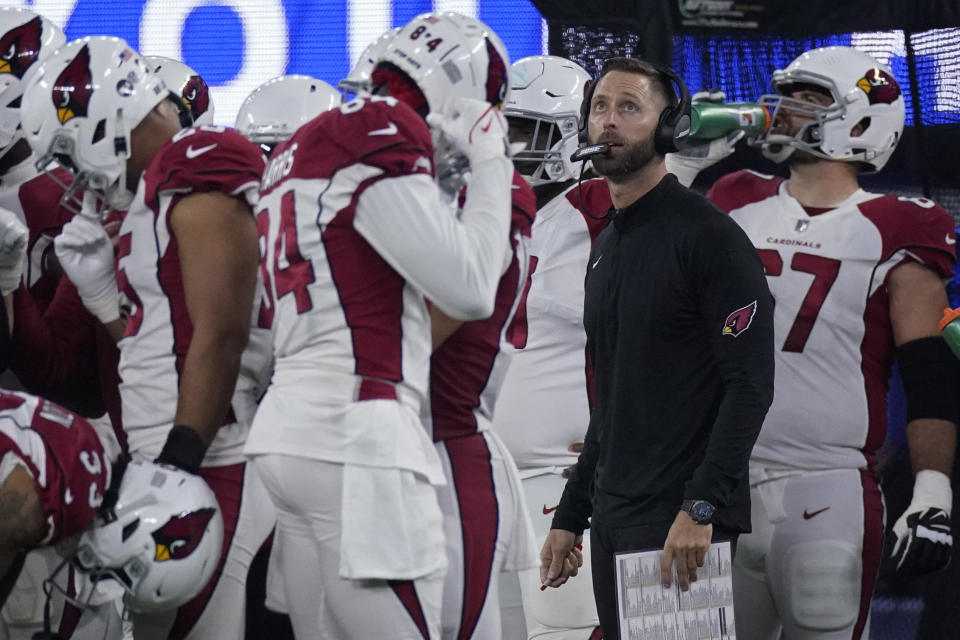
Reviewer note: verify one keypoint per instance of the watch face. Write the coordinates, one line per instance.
(702, 511)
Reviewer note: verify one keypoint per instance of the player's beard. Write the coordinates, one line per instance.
(801, 157)
(631, 159)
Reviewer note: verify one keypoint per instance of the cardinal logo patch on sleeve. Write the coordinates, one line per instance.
(739, 321)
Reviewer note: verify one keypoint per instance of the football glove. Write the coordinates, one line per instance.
(474, 127)
(86, 255)
(13, 251)
(687, 163)
(924, 538)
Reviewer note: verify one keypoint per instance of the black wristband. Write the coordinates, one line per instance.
(930, 378)
(184, 449)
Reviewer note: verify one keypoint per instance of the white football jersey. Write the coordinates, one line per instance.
(543, 406)
(35, 198)
(834, 343)
(158, 329)
(351, 324)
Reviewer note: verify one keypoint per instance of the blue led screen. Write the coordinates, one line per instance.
(741, 66)
(238, 44)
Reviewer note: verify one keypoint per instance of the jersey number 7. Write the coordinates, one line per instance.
(824, 270)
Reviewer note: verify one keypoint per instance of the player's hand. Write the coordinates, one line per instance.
(924, 538)
(86, 256)
(475, 127)
(13, 251)
(560, 558)
(686, 548)
(687, 163)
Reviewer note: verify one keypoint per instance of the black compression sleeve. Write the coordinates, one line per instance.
(931, 374)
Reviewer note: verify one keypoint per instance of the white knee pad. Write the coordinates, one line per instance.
(822, 581)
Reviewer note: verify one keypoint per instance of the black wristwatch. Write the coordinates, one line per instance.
(700, 511)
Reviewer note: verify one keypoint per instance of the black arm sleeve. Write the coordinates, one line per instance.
(573, 512)
(737, 312)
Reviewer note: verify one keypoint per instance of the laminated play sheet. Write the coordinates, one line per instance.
(648, 611)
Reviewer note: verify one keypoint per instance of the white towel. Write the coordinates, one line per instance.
(392, 528)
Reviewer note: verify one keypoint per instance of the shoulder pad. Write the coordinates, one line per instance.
(740, 188)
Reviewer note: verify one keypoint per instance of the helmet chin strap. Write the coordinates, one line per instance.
(120, 198)
(777, 152)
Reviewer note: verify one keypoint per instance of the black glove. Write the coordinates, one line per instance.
(925, 545)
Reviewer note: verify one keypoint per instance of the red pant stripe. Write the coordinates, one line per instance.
(411, 602)
(872, 545)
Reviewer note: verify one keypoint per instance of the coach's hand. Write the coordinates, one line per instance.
(924, 537)
(686, 547)
(560, 557)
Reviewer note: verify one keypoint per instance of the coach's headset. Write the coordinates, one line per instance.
(673, 127)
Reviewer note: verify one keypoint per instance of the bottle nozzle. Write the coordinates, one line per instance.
(949, 315)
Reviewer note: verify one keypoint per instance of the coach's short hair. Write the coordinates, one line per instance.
(660, 82)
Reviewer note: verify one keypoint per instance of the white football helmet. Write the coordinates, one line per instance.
(79, 108)
(864, 92)
(187, 85)
(357, 82)
(448, 55)
(544, 107)
(277, 108)
(27, 38)
(161, 541)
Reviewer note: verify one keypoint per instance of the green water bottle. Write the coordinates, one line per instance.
(712, 120)
(950, 328)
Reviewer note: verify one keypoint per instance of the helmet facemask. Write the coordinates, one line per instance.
(91, 192)
(541, 161)
(778, 146)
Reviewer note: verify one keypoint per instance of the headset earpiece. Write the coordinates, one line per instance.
(673, 127)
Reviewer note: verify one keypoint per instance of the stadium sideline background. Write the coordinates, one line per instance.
(238, 44)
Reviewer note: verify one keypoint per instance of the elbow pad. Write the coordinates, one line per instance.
(930, 374)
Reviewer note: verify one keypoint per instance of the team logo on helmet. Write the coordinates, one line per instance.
(20, 47)
(496, 76)
(879, 86)
(73, 88)
(196, 96)
(181, 534)
(739, 321)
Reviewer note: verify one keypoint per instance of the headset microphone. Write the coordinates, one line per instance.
(588, 151)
